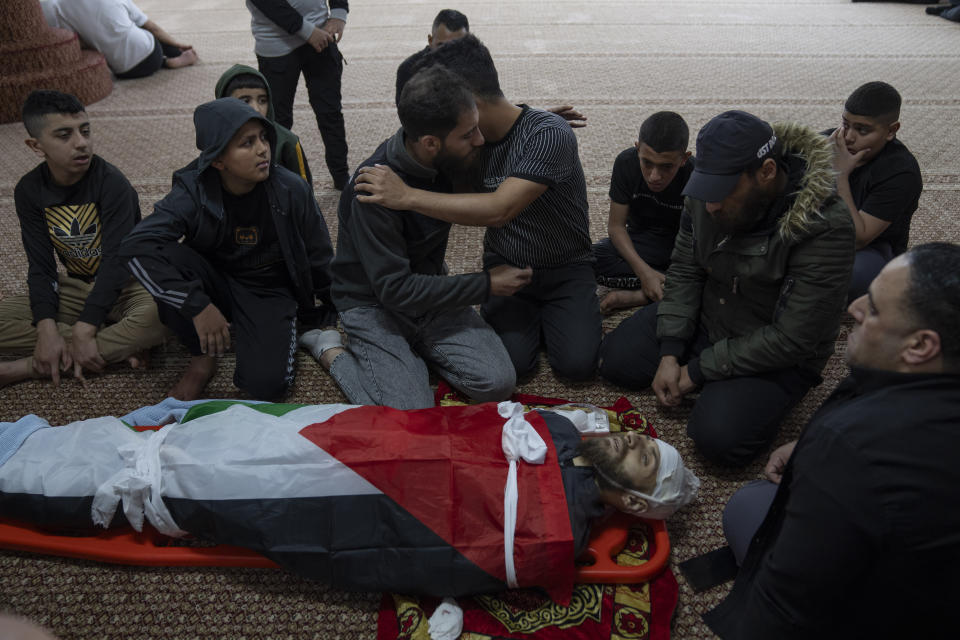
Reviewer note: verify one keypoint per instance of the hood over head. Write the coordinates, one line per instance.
(218, 121)
(241, 70)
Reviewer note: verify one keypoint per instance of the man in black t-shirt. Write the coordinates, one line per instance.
(645, 204)
(877, 177)
(74, 207)
(255, 254)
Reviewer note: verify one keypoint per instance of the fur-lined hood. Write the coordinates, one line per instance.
(816, 185)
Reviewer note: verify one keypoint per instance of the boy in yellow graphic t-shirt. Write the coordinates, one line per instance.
(77, 207)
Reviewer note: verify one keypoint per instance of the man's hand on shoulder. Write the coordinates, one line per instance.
(506, 280)
(213, 331)
(778, 462)
(571, 115)
(83, 349)
(50, 356)
(380, 185)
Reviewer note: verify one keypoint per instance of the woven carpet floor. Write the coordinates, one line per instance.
(616, 60)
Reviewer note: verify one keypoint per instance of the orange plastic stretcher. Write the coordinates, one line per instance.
(153, 549)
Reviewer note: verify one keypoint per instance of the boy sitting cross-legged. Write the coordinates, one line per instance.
(646, 201)
(255, 254)
(247, 84)
(76, 206)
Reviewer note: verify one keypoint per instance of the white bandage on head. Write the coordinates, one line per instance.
(676, 485)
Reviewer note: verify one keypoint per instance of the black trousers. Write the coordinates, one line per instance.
(321, 72)
(733, 420)
(263, 323)
(152, 63)
(559, 304)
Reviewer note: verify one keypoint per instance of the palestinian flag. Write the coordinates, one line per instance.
(365, 498)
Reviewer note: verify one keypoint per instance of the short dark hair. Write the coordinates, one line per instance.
(452, 19)
(244, 81)
(875, 100)
(665, 131)
(44, 102)
(431, 102)
(471, 60)
(933, 295)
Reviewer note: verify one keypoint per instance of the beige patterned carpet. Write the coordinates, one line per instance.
(616, 60)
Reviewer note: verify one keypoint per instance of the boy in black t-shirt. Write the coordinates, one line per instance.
(76, 206)
(255, 254)
(645, 205)
(877, 177)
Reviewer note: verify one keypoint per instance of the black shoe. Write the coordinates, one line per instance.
(340, 182)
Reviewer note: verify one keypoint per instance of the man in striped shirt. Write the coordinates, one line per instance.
(533, 201)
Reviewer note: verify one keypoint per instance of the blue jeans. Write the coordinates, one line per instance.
(387, 357)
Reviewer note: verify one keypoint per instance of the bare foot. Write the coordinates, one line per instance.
(328, 356)
(16, 371)
(139, 360)
(195, 378)
(622, 299)
(185, 59)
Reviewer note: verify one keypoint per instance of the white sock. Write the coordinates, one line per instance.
(316, 341)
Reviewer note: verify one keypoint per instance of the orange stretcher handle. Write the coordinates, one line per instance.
(126, 546)
(608, 539)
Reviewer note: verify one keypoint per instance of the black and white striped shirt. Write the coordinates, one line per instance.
(554, 229)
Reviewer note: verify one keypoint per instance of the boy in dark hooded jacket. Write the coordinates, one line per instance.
(247, 84)
(255, 254)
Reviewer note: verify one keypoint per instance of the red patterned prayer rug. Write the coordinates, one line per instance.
(618, 612)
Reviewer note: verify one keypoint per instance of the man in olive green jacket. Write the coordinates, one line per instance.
(755, 290)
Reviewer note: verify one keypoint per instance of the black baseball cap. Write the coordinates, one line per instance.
(726, 146)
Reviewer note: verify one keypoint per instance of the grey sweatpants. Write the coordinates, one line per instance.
(387, 357)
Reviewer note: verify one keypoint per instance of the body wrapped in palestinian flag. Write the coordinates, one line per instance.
(366, 498)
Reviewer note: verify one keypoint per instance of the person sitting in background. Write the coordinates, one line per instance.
(133, 45)
(448, 25)
(452, 25)
(877, 177)
(250, 86)
(646, 200)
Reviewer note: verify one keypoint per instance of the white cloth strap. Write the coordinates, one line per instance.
(138, 485)
(520, 441)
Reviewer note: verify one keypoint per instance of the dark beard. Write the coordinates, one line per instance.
(598, 454)
(465, 174)
(754, 209)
